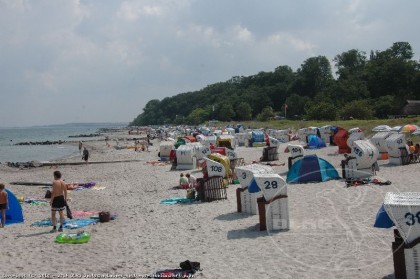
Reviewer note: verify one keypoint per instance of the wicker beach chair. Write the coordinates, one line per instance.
(404, 210)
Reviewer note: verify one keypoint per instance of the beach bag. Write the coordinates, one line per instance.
(190, 194)
(68, 212)
(104, 216)
(188, 265)
(48, 194)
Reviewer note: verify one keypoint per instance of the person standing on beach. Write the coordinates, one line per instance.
(85, 155)
(106, 141)
(80, 146)
(4, 205)
(58, 200)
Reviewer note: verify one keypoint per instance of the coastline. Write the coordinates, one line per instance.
(331, 235)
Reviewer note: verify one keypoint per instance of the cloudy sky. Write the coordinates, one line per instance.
(65, 61)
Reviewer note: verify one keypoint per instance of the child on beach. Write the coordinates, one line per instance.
(4, 205)
(192, 181)
(183, 182)
(58, 200)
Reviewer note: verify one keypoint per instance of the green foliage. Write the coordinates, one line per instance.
(385, 78)
(350, 63)
(358, 109)
(314, 76)
(384, 106)
(243, 111)
(321, 111)
(226, 112)
(265, 114)
(197, 116)
(296, 105)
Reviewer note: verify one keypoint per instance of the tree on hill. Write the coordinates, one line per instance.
(357, 109)
(266, 114)
(321, 111)
(383, 76)
(243, 111)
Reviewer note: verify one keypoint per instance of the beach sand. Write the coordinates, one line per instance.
(331, 233)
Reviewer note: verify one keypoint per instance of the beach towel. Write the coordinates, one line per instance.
(86, 184)
(176, 200)
(43, 223)
(78, 186)
(79, 223)
(73, 224)
(37, 201)
(84, 213)
(96, 187)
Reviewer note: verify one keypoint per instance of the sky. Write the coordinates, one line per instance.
(66, 61)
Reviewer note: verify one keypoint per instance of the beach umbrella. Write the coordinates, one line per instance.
(381, 128)
(409, 128)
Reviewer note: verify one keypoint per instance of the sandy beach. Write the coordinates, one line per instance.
(331, 234)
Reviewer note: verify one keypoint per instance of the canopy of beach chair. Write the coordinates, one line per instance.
(381, 128)
(396, 128)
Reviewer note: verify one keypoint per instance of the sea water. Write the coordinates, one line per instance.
(9, 152)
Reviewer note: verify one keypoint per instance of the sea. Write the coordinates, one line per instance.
(9, 152)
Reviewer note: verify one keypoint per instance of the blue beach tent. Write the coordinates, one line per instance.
(14, 213)
(311, 169)
(315, 142)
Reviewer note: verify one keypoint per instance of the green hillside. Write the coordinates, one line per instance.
(363, 87)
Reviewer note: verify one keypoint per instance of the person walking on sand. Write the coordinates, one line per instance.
(85, 155)
(58, 200)
(4, 205)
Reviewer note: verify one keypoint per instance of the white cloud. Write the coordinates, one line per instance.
(288, 40)
(132, 10)
(243, 34)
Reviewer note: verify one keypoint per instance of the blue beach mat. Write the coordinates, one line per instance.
(71, 224)
(177, 200)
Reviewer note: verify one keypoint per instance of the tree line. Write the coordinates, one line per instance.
(364, 87)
